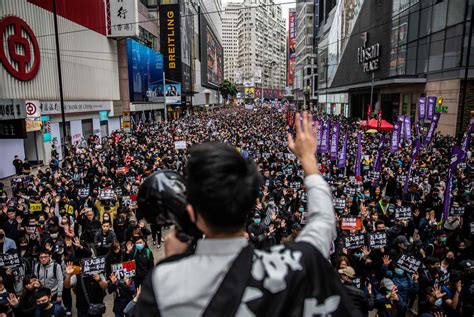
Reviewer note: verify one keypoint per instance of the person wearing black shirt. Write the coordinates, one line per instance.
(18, 165)
(44, 306)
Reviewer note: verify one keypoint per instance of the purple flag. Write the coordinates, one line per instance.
(430, 110)
(421, 108)
(456, 158)
(407, 125)
(335, 140)
(433, 126)
(414, 154)
(417, 130)
(395, 137)
(359, 153)
(378, 158)
(341, 162)
(401, 119)
(325, 140)
(320, 134)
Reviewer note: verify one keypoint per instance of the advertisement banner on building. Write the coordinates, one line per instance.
(212, 56)
(54, 107)
(291, 46)
(249, 92)
(33, 115)
(122, 18)
(145, 73)
(170, 41)
(173, 94)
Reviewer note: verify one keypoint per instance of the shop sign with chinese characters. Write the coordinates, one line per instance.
(368, 56)
(122, 18)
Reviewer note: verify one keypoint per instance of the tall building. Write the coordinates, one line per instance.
(230, 19)
(262, 48)
(305, 76)
(392, 55)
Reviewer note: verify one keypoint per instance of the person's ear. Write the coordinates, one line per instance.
(191, 213)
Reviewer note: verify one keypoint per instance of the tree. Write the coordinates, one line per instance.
(227, 89)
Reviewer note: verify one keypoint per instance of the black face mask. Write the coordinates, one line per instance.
(43, 306)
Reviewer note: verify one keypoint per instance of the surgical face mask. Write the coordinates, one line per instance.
(301, 209)
(139, 246)
(257, 221)
(367, 195)
(358, 254)
(443, 239)
(438, 302)
(282, 203)
(399, 271)
(54, 235)
(43, 306)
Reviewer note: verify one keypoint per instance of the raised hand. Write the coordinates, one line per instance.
(386, 260)
(69, 268)
(304, 146)
(113, 278)
(13, 300)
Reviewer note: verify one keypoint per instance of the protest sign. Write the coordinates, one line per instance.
(373, 175)
(443, 279)
(180, 145)
(106, 194)
(11, 260)
(351, 223)
(118, 191)
(377, 240)
(124, 269)
(32, 232)
(401, 178)
(295, 185)
(408, 263)
(122, 170)
(83, 192)
(354, 242)
(349, 191)
(339, 203)
(457, 211)
(403, 213)
(357, 282)
(92, 266)
(36, 207)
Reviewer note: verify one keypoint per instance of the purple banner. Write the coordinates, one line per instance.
(466, 141)
(341, 162)
(417, 130)
(430, 110)
(421, 108)
(325, 136)
(432, 129)
(395, 137)
(456, 158)
(335, 140)
(414, 154)
(320, 133)
(407, 125)
(378, 158)
(401, 119)
(359, 153)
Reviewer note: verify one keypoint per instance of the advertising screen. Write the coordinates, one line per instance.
(212, 57)
(145, 73)
(173, 93)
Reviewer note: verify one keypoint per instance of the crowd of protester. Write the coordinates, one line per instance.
(84, 206)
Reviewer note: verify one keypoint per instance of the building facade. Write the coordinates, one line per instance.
(230, 19)
(262, 44)
(305, 76)
(390, 53)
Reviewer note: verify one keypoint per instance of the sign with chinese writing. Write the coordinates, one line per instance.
(32, 232)
(443, 279)
(92, 266)
(122, 18)
(351, 223)
(54, 107)
(13, 129)
(180, 145)
(106, 194)
(9, 260)
(408, 263)
(349, 191)
(377, 240)
(339, 203)
(354, 242)
(122, 170)
(403, 213)
(36, 207)
(83, 192)
(124, 269)
(12, 109)
(457, 211)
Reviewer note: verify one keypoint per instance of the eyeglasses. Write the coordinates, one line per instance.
(44, 256)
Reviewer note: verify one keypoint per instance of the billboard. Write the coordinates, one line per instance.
(145, 73)
(173, 94)
(122, 18)
(186, 45)
(291, 46)
(212, 57)
(170, 41)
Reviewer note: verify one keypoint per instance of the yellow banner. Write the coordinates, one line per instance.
(36, 207)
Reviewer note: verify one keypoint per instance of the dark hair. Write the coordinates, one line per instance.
(222, 186)
(45, 251)
(41, 292)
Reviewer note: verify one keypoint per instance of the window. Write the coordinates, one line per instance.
(411, 59)
(456, 11)
(436, 51)
(425, 21)
(453, 46)
(439, 16)
(413, 26)
(422, 61)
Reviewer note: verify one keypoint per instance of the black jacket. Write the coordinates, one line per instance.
(362, 302)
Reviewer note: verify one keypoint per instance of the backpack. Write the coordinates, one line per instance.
(56, 264)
